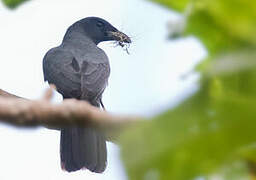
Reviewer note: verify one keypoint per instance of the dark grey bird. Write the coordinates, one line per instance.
(80, 69)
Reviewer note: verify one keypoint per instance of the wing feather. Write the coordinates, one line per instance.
(86, 81)
(60, 68)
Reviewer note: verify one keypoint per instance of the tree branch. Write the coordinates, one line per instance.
(6, 94)
(71, 112)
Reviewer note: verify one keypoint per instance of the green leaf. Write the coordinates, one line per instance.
(212, 132)
(13, 3)
(237, 17)
(178, 5)
(221, 25)
(197, 138)
(216, 38)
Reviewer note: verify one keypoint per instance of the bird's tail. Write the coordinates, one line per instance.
(83, 148)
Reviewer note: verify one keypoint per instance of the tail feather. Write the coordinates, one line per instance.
(102, 155)
(83, 148)
(66, 151)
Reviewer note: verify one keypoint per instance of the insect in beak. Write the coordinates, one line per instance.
(122, 40)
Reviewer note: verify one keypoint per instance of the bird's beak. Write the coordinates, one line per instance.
(119, 36)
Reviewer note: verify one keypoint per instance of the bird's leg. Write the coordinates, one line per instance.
(102, 105)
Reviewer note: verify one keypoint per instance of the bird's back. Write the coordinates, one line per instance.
(76, 76)
(77, 73)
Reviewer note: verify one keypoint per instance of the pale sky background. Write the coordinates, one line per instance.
(146, 82)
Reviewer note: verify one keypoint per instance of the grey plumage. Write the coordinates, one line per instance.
(79, 69)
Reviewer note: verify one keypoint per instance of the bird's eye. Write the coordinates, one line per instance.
(99, 24)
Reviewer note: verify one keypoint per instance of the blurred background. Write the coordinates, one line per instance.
(191, 71)
(145, 82)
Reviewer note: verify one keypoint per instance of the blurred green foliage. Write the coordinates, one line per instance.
(211, 133)
(177, 5)
(13, 3)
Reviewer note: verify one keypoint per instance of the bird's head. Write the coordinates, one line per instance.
(100, 30)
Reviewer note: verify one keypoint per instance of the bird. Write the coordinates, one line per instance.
(80, 69)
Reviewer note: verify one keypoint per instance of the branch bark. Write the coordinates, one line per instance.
(6, 94)
(71, 112)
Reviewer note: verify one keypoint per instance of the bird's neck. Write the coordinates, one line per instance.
(75, 36)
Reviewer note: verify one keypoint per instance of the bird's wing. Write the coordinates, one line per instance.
(62, 69)
(94, 79)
